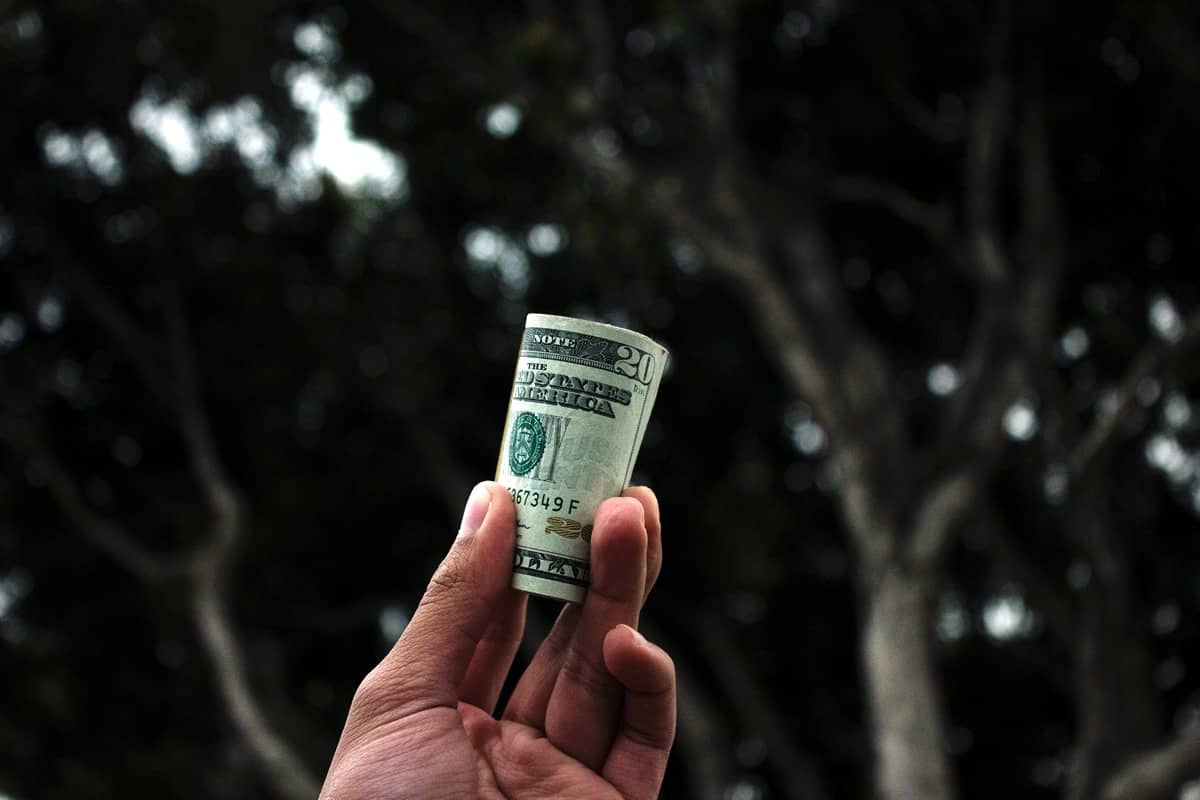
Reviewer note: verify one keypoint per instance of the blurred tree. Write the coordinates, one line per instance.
(927, 455)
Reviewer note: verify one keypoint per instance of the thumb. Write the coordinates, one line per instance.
(427, 664)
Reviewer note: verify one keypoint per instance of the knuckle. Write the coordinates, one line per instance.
(367, 689)
(383, 696)
(371, 694)
(444, 584)
(655, 741)
(453, 596)
(448, 578)
(590, 676)
(368, 704)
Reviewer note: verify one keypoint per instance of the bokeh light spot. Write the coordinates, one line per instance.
(1164, 319)
(1006, 616)
(1074, 343)
(502, 120)
(50, 314)
(943, 379)
(1021, 421)
(12, 331)
(546, 240)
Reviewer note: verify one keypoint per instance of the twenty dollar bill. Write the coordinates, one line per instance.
(581, 398)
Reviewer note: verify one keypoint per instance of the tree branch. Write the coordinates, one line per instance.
(794, 770)
(179, 392)
(822, 353)
(128, 335)
(1117, 703)
(287, 774)
(1016, 312)
(701, 739)
(941, 508)
(930, 219)
(206, 465)
(284, 769)
(918, 114)
(1158, 772)
(106, 535)
(735, 247)
(985, 137)
(1149, 362)
(986, 257)
(805, 370)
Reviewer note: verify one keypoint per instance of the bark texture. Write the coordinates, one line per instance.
(904, 696)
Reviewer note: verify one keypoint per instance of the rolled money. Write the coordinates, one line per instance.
(581, 398)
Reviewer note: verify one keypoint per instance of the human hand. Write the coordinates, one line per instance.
(592, 717)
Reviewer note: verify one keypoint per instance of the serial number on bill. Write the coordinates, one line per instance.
(531, 498)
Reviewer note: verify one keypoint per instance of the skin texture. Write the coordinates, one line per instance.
(593, 716)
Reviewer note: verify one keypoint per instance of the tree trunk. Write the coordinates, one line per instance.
(1118, 708)
(904, 700)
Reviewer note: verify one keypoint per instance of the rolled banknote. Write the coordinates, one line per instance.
(581, 398)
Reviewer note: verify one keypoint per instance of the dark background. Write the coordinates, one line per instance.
(927, 275)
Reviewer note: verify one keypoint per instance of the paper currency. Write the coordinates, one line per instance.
(581, 398)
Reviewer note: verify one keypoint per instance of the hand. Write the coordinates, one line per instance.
(593, 716)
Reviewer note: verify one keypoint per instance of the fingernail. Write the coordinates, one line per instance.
(477, 507)
(638, 639)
